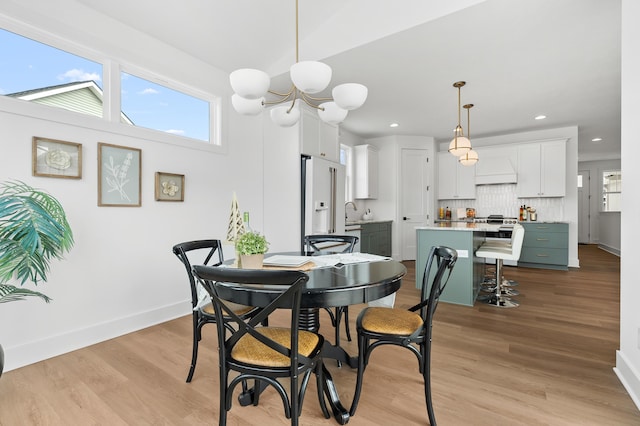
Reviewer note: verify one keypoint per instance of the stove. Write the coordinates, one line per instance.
(496, 219)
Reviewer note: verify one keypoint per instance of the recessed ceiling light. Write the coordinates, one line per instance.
(540, 117)
(393, 125)
(596, 139)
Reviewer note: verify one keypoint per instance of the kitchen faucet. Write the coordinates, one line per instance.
(345, 207)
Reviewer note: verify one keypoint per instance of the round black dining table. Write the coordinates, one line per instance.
(328, 286)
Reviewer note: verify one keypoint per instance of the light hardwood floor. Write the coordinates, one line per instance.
(547, 362)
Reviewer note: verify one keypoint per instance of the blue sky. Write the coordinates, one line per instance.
(26, 65)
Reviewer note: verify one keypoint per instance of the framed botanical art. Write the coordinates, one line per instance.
(54, 158)
(119, 182)
(169, 187)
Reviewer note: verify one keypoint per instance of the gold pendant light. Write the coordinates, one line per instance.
(459, 144)
(470, 157)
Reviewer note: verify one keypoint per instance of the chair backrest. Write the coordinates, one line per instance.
(200, 252)
(226, 284)
(517, 238)
(344, 243)
(439, 266)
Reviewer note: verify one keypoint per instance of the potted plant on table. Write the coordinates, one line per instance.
(251, 246)
(33, 230)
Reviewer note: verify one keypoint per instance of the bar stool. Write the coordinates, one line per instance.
(489, 282)
(500, 297)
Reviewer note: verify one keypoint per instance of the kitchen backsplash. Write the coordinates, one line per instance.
(502, 199)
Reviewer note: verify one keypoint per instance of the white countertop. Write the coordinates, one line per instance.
(461, 226)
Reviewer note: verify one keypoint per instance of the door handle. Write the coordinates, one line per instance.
(406, 218)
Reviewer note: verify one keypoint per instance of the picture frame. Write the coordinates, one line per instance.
(169, 187)
(119, 175)
(56, 158)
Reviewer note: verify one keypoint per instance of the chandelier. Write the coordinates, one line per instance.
(470, 157)
(459, 144)
(251, 87)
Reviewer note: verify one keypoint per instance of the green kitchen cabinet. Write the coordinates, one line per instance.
(545, 245)
(375, 238)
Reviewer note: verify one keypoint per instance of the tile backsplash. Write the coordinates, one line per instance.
(502, 199)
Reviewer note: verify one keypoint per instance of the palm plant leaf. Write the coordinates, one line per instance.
(33, 230)
(10, 293)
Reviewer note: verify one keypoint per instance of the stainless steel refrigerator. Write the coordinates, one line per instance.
(323, 197)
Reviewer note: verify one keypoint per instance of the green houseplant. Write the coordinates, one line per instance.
(251, 246)
(33, 230)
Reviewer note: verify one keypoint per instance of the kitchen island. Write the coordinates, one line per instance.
(468, 273)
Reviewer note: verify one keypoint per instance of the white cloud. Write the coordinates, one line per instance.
(2, 92)
(175, 132)
(78, 75)
(148, 91)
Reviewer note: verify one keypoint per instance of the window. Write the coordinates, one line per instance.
(36, 72)
(346, 159)
(154, 106)
(611, 190)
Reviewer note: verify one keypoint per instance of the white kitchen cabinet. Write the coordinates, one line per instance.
(542, 169)
(317, 138)
(366, 170)
(455, 181)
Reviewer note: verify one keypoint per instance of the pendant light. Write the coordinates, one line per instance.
(308, 77)
(459, 144)
(470, 157)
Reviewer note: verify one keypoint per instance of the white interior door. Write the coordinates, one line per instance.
(584, 203)
(414, 198)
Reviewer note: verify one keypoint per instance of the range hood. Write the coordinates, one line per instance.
(495, 170)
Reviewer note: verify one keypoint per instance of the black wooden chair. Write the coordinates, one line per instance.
(263, 354)
(332, 244)
(379, 326)
(202, 252)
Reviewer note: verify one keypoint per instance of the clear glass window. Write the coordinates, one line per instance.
(154, 106)
(611, 190)
(36, 72)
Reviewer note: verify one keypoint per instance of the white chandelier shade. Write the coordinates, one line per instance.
(459, 145)
(330, 112)
(469, 159)
(285, 115)
(310, 76)
(350, 96)
(247, 106)
(250, 83)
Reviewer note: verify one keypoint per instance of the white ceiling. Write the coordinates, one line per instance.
(520, 58)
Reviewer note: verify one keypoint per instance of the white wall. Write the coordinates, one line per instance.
(121, 275)
(628, 357)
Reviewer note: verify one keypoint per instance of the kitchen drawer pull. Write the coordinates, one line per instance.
(542, 227)
(542, 239)
(542, 255)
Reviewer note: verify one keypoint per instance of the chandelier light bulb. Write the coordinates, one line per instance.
(350, 96)
(247, 106)
(331, 113)
(283, 117)
(310, 76)
(250, 83)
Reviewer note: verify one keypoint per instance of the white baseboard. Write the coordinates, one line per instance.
(609, 249)
(629, 378)
(32, 352)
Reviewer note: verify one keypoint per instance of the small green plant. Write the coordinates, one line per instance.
(252, 243)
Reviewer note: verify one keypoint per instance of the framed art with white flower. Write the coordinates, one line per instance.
(54, 158)
(169, 187)
(119, 182)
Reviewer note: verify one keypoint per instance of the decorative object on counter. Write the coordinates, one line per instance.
(308, 78)
(471, 213)
(459, 144)
(441, 213)
(252, 246)
(470, 157)
(533, 216)
(367, 215)
(447, 214)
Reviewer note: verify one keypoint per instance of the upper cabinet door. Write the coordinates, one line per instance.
(455, 181)
(317, 138)
(542, 169)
